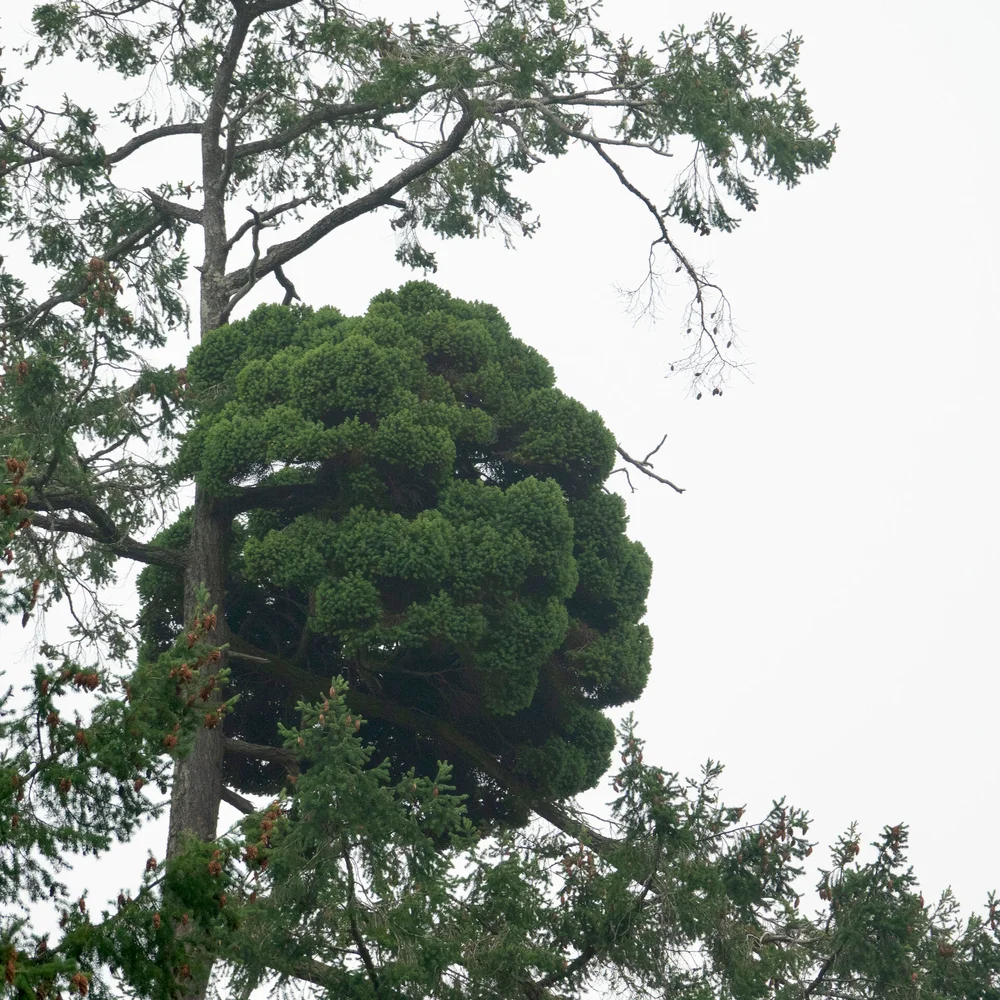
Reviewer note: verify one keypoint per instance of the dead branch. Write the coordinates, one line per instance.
(645, 466)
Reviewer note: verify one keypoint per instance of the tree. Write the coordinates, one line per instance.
(436, 531)
(298, 105)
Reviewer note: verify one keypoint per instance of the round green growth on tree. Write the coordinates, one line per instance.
(415, 506)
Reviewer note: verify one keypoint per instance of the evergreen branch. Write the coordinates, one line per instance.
(275, 496)
(309, 970)
(308, 685)
(579, 98)
(124, 546)
(590, 952)
(147, 232)
(284, 252)
(42, 309)
(822, 974)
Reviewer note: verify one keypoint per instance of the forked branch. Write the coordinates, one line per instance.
(645, 466)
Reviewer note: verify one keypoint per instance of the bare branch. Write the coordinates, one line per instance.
(821, 975)
(699, 281)
(251, 270)
(168, 207)
(645, 466)
(236, 800)
(290, 293)
(259, 751)
(265, 217)
(137, 142)
(102, 527)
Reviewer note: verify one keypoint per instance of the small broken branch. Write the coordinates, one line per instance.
(645, 466)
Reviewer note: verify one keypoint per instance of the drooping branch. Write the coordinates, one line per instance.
(701, 284)
(141, 236)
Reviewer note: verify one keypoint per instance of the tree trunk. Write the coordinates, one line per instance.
(197, 786)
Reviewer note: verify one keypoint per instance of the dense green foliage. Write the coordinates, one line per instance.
(445, 541)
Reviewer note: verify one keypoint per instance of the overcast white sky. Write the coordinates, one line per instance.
(824, 594)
